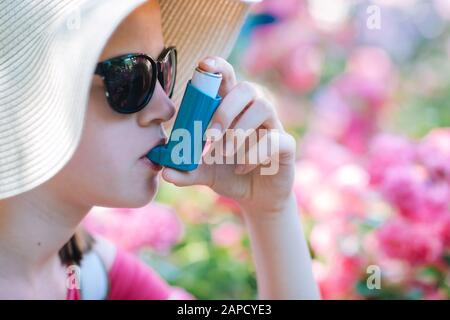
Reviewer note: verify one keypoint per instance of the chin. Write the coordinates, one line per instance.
(141, 196)
(132, 202)
(132, 194)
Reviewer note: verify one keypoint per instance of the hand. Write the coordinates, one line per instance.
(245, 106)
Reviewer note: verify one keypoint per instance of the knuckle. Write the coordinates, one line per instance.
(291, 142)
(290, 139)
(177, 184)
(248, 87)
(263, 105)
(221, 116)
(220, 59)
(226, 63)
(228, 66)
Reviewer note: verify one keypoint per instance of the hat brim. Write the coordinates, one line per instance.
(199, 28)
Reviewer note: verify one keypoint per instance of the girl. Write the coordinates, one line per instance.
(82, 100)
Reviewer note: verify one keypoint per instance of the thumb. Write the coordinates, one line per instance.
(185, 178)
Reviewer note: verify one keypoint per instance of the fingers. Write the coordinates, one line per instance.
(272, 150)
(233, 105)
(236, 96)
(218, 64)
(244, 107)
(241, 98)
(203, 175)
(259, 114)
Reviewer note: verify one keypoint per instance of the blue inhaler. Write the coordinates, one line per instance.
(186, 142)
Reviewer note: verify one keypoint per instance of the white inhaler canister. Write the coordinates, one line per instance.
(207, 82)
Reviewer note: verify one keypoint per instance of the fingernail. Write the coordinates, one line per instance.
(168, 173)
(210, 62)
(217, 126)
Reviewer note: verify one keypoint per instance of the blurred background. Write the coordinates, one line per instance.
(364, 86)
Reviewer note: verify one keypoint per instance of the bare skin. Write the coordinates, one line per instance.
(106, 171)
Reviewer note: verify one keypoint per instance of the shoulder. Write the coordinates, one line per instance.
(95, 267)
(106, 251)
(113, 273)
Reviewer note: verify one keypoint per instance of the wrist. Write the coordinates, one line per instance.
(263, 212)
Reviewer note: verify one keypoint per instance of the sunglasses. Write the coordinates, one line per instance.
(130, 79)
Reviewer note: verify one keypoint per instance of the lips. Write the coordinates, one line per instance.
(159, 142)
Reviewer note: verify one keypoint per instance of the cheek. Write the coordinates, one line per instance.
(107, 135)
(106, 148)
(105, 165)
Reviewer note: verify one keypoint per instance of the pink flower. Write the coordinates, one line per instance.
(413, 178)
(443, 227)
(178, 293)
(436, 200)
(351, 177)
(154, 225)
(403, 188)
(394, 271)
(439, 138)
(344, 115)
(434, 153)
(437, 164)
(307, 178)
(329, 186)
(323, 240)
(228, 203)
(415, 243)
(443, 8)
(376, 78)
(347, 110)
(317, 148)
(227, 234)
(335, 236)
(358, 132)
(342, 275)
(301, 67)
(363, 93)
(433, 294)
(326, 203)
(409, 190)
(388, 152)
(257, 58)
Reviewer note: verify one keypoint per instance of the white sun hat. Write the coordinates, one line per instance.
(48, 53)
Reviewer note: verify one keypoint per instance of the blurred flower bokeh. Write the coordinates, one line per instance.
(370, 108)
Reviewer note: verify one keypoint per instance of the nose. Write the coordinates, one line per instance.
(160, 108)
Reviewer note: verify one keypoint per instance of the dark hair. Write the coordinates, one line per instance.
(72, 252)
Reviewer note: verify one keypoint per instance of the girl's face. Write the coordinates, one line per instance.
(107, 168)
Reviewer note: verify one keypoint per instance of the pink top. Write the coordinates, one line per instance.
(131, 279)
(73, 294)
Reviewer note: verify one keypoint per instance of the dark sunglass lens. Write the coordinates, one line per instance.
(168, 69)
(128, 83)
